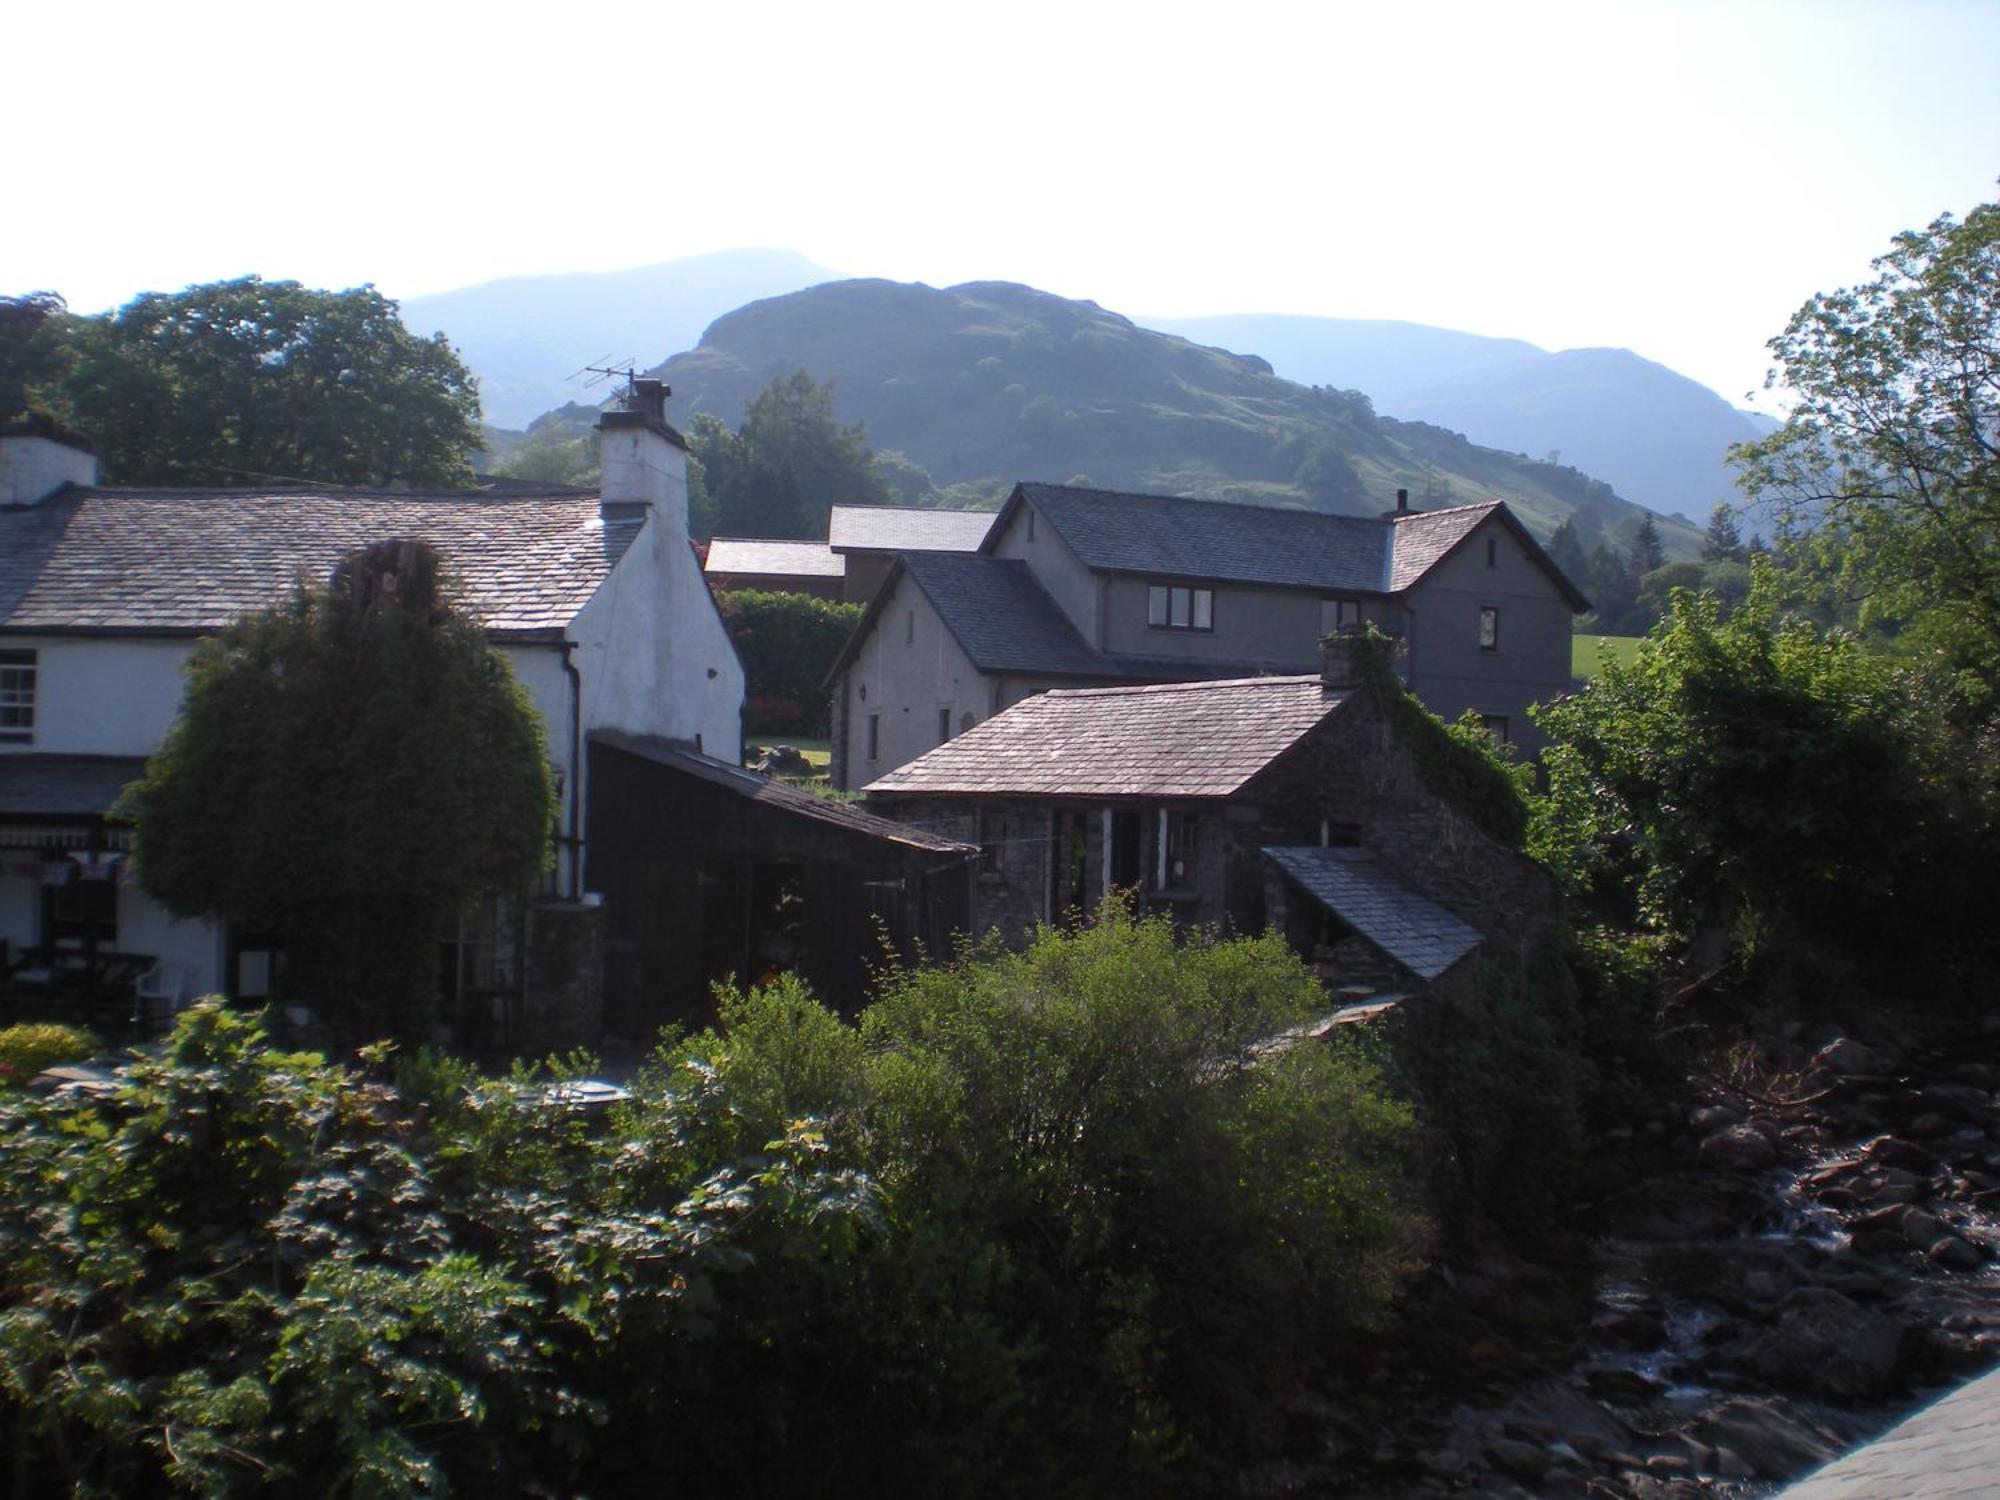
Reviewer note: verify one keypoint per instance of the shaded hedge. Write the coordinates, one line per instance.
(1041, 1224)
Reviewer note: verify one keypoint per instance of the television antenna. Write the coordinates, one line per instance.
(606, 368)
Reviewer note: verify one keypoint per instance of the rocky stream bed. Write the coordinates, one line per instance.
(1775, 1260)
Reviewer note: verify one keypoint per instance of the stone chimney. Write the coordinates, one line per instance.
(1339, 670)
(1402, 506)
(37, 459)
(644, 459)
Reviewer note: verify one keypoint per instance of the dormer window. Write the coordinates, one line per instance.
(1172, 607)
(17, 697)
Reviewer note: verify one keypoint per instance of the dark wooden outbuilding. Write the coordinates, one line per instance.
(713, 873)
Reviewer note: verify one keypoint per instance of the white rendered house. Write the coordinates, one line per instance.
(596, 600)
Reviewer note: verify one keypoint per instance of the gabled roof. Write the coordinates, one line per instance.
(905, 528)
(759, 555)
(1166, 536)
(1184, 739)
(1426, 538)
(1352, 884)
(754, 787)
(1001, 615)
(113, 561)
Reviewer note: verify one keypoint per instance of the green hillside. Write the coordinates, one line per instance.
(997, 382)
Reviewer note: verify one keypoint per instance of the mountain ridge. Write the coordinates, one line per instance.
(995, 381)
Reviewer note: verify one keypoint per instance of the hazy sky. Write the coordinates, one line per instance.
(1671, 177)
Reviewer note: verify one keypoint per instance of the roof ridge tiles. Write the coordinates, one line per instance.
(1205, 685)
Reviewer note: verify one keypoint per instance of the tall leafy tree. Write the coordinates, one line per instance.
(1756, 766)
(784, 466)
(249, 381)
(1891, 457)
(349, 769)
(28, 356)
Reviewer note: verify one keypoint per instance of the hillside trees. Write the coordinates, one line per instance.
(1890, 462)
(249, 381)
(348, 770)
(784, 466)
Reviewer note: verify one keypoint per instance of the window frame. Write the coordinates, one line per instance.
(20, 690)
(875, 736)
(1336, 613)
(1489, 627)
(1192, 600)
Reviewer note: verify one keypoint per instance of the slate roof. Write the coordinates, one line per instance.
(63, 786)
(1164, 536)
(1423, 539)
(905, 528)
(754, 787)
(759, 555)
(192, 561)
(1171, 537)
(1001, 615)
(1352, 884)
(1184, 739)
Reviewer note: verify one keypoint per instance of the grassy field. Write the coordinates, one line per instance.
(1586, 650)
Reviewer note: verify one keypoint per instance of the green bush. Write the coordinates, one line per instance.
(27, 1049)
(1043, 1223)
(787, 643)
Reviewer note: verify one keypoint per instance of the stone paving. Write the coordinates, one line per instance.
(1951, 1447)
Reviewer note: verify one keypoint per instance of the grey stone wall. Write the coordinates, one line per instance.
(1357, 776)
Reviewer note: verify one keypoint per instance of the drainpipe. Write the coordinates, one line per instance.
(575, 839)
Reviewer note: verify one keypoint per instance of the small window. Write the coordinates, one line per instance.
(910, 627)
(1338, 614)
(17, 696)
(1492, 552)
(1496, 728)
(1031, 523)
(874, 736)
(1489, 628)
(944, 725)
(1170, 607)
(1182, 845)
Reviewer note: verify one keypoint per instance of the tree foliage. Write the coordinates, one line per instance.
(348, 769)
(1755, 767)
(1045, 1224)
(787, 643)
(784, 466)
(249, 381)
(1890, 461)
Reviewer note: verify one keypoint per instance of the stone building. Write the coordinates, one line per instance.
(1072, 587)
(1293, 803)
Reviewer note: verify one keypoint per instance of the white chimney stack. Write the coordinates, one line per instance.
(37, 459)
(644, 460)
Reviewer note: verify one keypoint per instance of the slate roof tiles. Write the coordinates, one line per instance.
(1168, 537)
(190, 561)
(1417, 933)
(1188, 739)
(905, 528)
(759, 555)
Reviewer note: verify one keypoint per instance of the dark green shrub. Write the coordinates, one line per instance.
(27, 1049)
